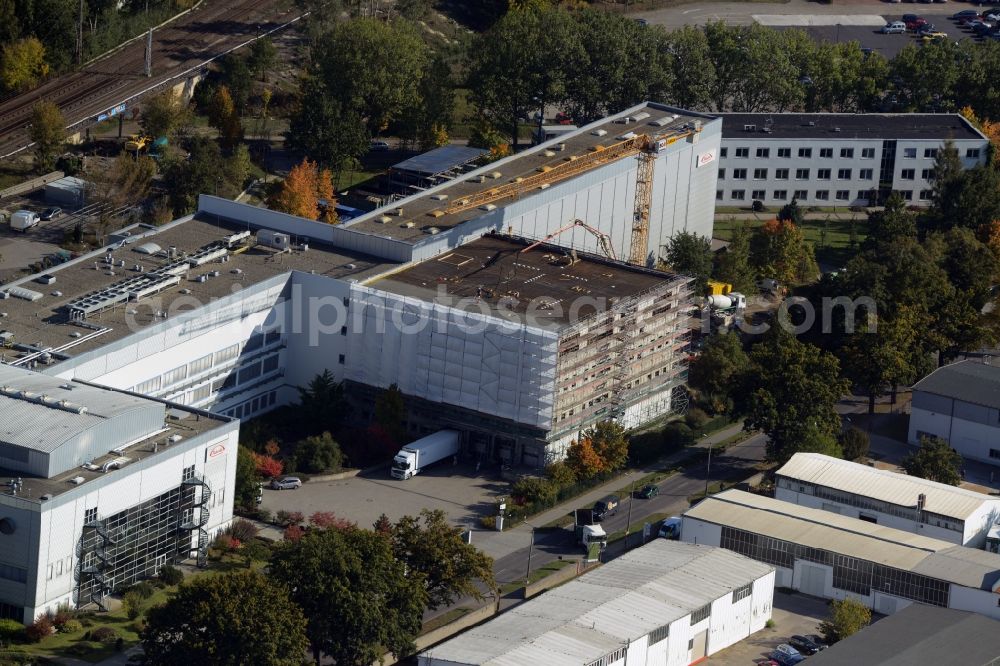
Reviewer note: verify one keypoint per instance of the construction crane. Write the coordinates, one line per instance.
(602, 238)
(643, 146)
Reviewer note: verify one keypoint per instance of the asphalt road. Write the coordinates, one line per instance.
(738, 461)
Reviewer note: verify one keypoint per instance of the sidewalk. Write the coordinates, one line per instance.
(500, 544)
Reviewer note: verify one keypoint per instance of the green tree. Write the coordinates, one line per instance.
(790, 391)
(228, 619)
(318, 453)
(779, 250)
(431, 111)
(892, 222)
(847, 618)
(22, 64)
(854, 444)
(371, 68)
(323, 403)
(693, 70)
(163, 114)
(237, 79)
(935, 460)
(924, 75)
(237, 167)
(414, 10)
(791, 212)
(523, 63)
(247, 480)
(204, 172)
(732, 265)
(610, 444)
(755, 68)
(718, 370)
(48, 132)
(325, 129)
(261, 57)
(882, 358)
(435, 551)
(359, 600)
(690, 254)
(583, 459)
(390, 413)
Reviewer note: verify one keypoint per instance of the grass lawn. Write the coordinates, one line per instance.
(834, 249)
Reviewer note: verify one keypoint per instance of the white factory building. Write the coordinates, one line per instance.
(106, 487)
(888, 498)
(960, 403)
(835, 557)
(444, 294)
(665, 604)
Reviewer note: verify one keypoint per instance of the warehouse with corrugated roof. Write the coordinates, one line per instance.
(887, 498)
(836, 557)
(665, 603)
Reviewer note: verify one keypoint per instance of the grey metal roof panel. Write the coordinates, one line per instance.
(604, 609)
(440, 160)
(843, 126)
(884, 485)
(919, 635)
(969, 381)
(849, 536)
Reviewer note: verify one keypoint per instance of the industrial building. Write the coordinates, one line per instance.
(961, 404)
(666, 603)
(836, 557)
(67, 191)
(105, 487)
(919, 635)
(887, 498)
(837, 159)
(432, 168)
(517, 343)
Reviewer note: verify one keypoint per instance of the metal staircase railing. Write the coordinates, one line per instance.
(91, 570)
(199, 518)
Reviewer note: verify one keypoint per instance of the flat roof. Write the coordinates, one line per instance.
(884, 485)
(41, 412)
(917, 126)
(828, 531)
(971, 381)
(495, 274)
(919, 635)
(416, 221)
(605, 609)
(44, 322)
(440, 160)
(184, 422)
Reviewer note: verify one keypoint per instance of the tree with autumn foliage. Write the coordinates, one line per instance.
(583, 459)
(224, 117)
(326, 520)
(610, 444)
(267, 466)
(304, 188)
(987, 127)
(779, 250)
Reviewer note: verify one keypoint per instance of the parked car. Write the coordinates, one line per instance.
(805, 645)
(378, 146)
(933, 36)
(926, 27)
(287, 483)
(818, 640)
(895, 27)
(786, 655)
(648, 491)
(913, 22)
(51, 213)
(967, 13)
(670, 529)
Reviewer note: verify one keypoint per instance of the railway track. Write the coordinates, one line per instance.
(208, 31)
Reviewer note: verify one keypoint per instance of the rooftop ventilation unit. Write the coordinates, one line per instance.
(599, 132)
(46, 279)
(236, 238)
(77, 480)
(642, 115)
(439, 197)
(749, 128)
(25, 294)
(206, 255)
(433, 231)
(624, 121)
(660, 122)
(148, 248)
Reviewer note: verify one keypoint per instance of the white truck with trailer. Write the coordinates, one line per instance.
(414, 457)
(23, 220)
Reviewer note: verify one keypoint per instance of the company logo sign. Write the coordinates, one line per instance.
(706, 158)
(217, 450)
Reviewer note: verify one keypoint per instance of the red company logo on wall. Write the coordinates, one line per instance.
(217, 450)
(706, 158)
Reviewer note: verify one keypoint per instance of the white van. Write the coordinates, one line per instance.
(23, 220)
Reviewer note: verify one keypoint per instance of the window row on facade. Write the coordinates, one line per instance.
(850, 574)
(744, 152)
(819, 195)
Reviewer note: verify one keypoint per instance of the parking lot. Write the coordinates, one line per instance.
(792, 614)
(457, 490)
(887, 45)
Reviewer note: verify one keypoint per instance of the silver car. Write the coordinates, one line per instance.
(287, 483)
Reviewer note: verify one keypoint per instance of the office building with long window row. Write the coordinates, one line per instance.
(837, 159)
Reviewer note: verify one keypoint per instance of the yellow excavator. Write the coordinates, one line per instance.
(137, 143)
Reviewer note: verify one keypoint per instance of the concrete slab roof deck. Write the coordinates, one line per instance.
(418, 208)
(44, 322)
(844, 126)
(495, 274)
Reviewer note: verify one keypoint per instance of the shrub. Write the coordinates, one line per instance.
(696, 417)
(531, 489)
(242, 529)
(10, 630)
(171, 575)
(319, 453)
(854, 443)
(104, 634)
(132, 604)
(560, 475)
(71, 627)
(143, 588)
(223, 542)
(41, 628)
(488, 522)
(286, 518)
(62, 615)
(769, 624)
(293, 533)
(138, 625)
